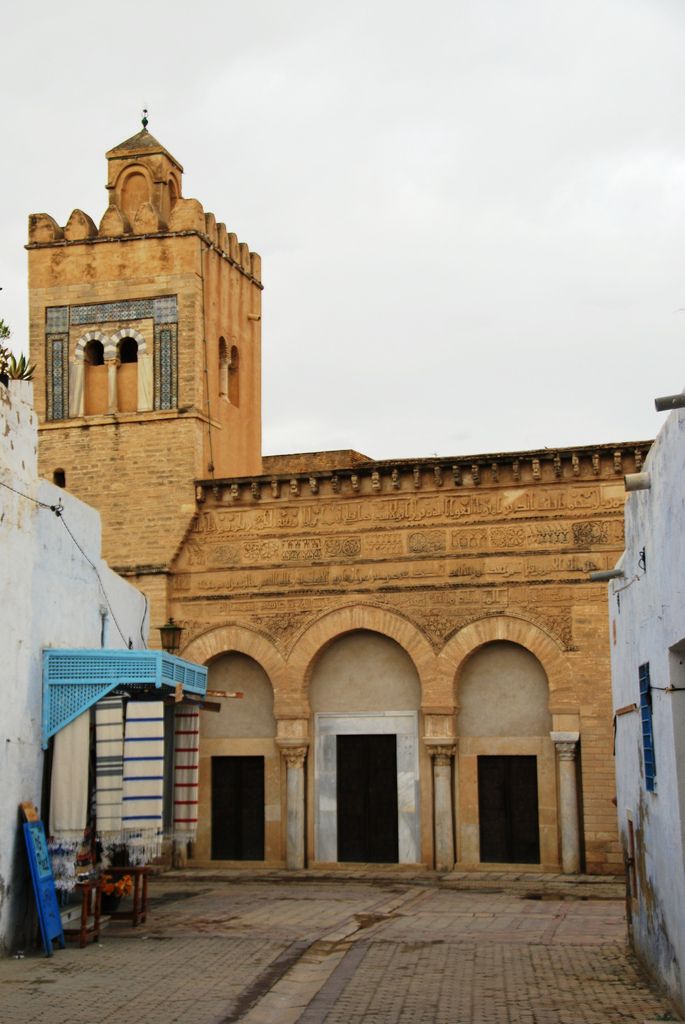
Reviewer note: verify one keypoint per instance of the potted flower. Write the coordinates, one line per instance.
(113, 889)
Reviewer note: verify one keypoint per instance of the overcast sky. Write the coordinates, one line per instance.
(471, 214)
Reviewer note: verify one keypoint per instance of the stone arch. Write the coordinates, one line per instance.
(328, 627)
(518, 630)
(109, 348)
(130, 332)
(133, 189)
(223, 639)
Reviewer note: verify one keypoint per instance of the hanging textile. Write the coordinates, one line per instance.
(143, 780)
(69, 798)
(109, 770)
(186, 762)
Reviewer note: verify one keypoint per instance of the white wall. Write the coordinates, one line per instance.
(49, 597)
(647, 612)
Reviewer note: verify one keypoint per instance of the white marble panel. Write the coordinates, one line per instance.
(402, 724)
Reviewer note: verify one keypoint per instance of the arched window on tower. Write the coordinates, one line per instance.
(127, 375)
(223, 368)
(234, 376)
(95, 383)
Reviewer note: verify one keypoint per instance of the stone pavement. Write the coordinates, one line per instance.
(227, 947)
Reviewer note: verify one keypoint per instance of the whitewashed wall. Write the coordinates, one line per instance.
(49, 597)
(647, 611)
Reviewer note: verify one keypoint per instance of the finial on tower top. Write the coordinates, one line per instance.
(145, 121)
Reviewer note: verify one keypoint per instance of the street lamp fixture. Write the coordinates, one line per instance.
(171, 636)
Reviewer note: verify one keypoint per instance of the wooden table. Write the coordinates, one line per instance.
(138, 913)
(89, 926)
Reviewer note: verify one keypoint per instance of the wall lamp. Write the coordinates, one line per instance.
(670, 402)
(637, 481)
(170, 635)
(604, 575)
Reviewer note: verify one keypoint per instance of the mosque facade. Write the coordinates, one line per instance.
(424, 663)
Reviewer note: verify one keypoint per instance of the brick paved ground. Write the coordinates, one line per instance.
(334, 951)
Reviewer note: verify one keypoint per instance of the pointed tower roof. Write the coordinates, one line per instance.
(141, 144)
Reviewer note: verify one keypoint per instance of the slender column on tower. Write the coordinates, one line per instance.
(112, 403)
(294, 758)
(566, 747)
(443, 815)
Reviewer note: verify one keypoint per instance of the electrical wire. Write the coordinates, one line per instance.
(128, 642)
(58, 511)
(142, 621)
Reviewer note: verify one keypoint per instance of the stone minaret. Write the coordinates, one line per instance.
(145, 332)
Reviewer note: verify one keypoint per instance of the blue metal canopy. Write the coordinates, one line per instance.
(75, 679)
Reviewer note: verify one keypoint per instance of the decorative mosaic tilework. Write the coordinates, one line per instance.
(105, 312)
(166, 366)
(57, 351)
(57, 319)
(163, 310)
(166, 310)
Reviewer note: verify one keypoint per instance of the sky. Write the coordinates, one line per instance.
(471, 214)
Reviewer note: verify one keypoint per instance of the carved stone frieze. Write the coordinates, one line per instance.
(282, 627)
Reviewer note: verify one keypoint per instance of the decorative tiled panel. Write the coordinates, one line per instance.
(166, 366)
(163, 310)
(166, 310)
(57, 376)
(57, 319)
(105, 312)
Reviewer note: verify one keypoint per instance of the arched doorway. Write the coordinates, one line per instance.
(506, 757)
(239, 766)
(365, 697)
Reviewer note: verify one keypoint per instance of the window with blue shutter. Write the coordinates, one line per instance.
(647, 728)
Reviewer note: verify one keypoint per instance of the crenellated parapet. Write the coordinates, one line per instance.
(145, 200)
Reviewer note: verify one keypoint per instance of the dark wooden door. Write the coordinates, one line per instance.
(367, 799)
(237, 808)
(508, 810)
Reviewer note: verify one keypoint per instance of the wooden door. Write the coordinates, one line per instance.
(367, 799)
(508, 810)
(238, 808)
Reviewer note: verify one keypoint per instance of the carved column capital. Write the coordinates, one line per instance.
(294, 757)
(442, 753)
(566, 744)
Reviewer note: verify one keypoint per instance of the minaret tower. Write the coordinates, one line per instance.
(145, 332)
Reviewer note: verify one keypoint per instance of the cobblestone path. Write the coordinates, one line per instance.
(342, 952)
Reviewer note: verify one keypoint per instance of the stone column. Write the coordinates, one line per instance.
(112, 399)
(294, 758)
(443, 817)
(566, 745)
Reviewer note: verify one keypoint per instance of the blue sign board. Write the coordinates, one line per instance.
(43, 885)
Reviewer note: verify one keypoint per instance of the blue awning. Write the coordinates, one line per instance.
(75, 679)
